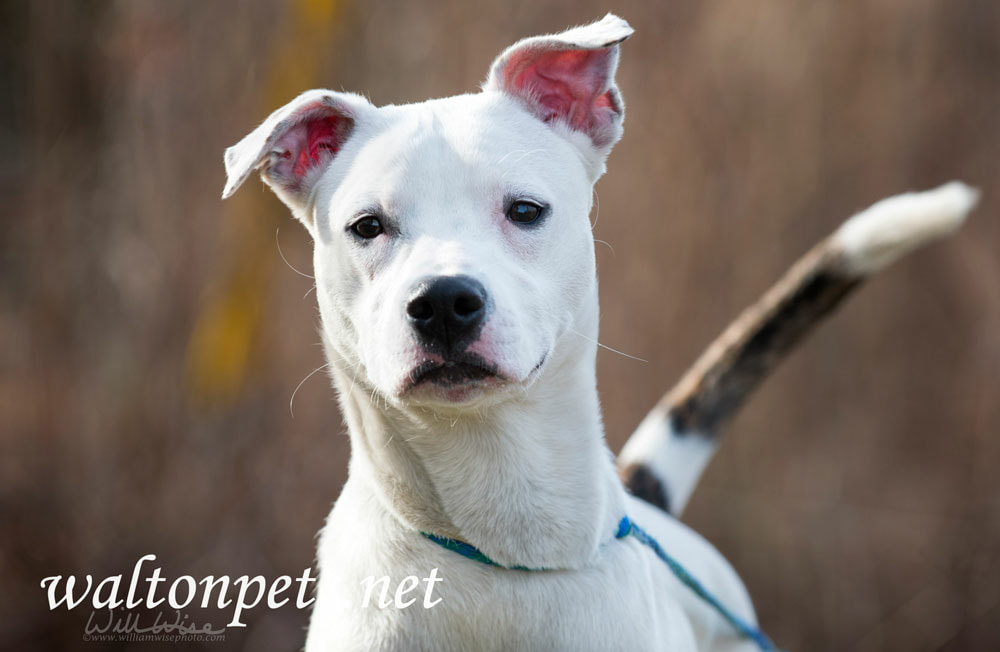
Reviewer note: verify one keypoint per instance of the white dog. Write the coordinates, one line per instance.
(455, 275)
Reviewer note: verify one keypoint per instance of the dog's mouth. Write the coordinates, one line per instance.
(453, 372)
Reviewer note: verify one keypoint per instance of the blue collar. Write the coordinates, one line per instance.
(627, 528)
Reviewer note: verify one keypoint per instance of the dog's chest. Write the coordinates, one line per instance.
(615, 604)
(477, 612)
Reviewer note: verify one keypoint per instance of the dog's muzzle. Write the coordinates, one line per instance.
(447, 313)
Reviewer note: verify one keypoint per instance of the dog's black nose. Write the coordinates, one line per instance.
(447, 311)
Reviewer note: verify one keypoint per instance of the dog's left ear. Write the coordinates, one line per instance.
(295, 145)
(568, 78)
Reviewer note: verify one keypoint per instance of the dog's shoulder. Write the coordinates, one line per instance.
(706, 564)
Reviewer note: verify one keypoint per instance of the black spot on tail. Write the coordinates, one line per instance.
(642, 483)
(706, 405)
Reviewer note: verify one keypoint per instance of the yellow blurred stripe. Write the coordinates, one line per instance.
(222, 343)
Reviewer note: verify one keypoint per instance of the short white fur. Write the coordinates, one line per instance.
(520, 469)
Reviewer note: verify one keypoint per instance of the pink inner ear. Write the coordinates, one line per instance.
(567, 84)
(321, 137)
(307, 144)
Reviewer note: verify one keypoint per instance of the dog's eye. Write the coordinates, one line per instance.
(524, 212)
(368, 227)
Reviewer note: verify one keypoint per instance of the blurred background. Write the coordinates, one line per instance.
(152, 336)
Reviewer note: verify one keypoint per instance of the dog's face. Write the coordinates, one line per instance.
(452, 248)
(452, 237)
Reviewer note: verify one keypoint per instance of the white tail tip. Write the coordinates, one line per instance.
(891, 228)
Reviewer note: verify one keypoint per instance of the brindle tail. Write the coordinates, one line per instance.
(664, 458)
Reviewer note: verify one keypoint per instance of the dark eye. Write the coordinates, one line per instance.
(368, 227)
(524, 212)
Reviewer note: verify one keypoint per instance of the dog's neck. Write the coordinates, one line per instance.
(529, 481)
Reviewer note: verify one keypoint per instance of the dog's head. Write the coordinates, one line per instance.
(453, 245)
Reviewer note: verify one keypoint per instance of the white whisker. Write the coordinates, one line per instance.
(519, 159)
(282, 254)
(608, 245)
(291, 401)
(524, 153)
(604, 346)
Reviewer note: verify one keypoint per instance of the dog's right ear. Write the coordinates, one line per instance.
(568, 78)
(294, 146)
